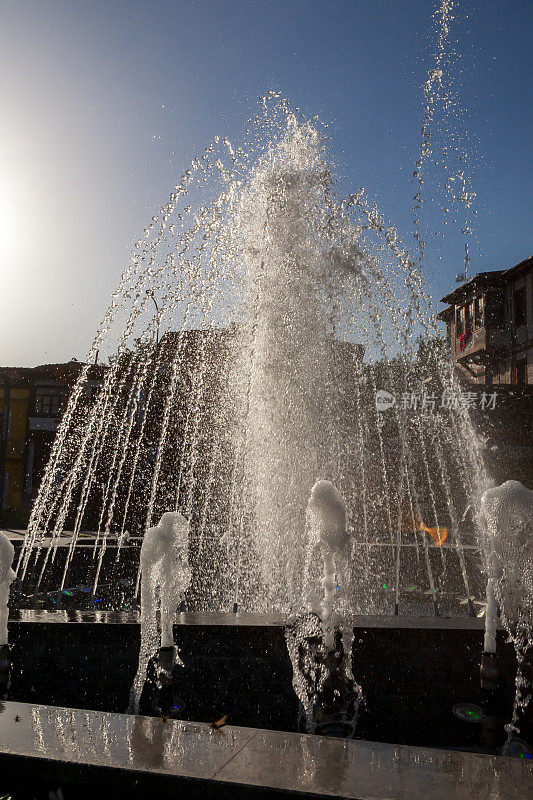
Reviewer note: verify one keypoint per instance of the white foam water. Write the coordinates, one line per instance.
(165, 575)
(7, 576)
(507, 511)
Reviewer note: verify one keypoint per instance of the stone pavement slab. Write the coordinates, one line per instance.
(243, 762)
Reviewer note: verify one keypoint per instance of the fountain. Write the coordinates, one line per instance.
(287, 311)
(7, 576)
(507, 511)
(165, 575)
(289, 416)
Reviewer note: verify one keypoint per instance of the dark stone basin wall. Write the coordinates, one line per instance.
(411, 675)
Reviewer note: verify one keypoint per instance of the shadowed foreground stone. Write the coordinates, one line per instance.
(86, 753)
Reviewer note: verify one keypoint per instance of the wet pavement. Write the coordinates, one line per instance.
(244, 762)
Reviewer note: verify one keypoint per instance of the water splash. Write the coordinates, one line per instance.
(283, 310)
(507, 511)
(165, 575)
(446, 154)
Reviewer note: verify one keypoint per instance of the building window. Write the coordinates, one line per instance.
(495, 310)
(520, 310)
(460, 320)
(469, 317)
(48, 401)
(521, 372)
(479, 322)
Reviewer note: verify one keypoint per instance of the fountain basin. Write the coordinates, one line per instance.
(413, 670)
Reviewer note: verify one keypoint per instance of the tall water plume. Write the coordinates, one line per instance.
(282, 309)
(444, 160)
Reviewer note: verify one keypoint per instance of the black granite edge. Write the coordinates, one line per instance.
(230, 619)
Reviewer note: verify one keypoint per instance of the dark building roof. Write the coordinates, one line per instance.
(64, 373)
(483, 280)
(513, 271)
(446, 315)
(480, 281)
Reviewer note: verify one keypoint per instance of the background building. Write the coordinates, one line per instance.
(489, 328)
(489, 325)
(32, 401)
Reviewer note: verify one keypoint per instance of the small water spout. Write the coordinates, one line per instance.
(165, 575)
(7, 576)
(491, 619)
(507, 511)
(320, 641)
(326, 512)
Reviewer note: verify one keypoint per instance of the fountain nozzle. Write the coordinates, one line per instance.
(5, 668)
(166, 662)
(489, 671)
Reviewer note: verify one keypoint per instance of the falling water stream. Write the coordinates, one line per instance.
(287, 413)
(285, 312)
(507, 514)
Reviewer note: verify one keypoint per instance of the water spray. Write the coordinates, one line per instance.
(165, 575)
(320, 641)
(7, 576)
(507, 511)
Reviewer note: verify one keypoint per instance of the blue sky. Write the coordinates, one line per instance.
(105, 102)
